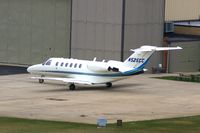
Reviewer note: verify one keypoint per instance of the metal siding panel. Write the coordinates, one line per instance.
(100, 10)
(39, 26)
(75, 10)
(100, 54)
(4, 11)
(108, 15)
(144, 26)
(100, 36)
(62, 28)
(103, 28)
(117, 10)
(81, 10)
(109, 38)
(117, 38)
(182, 10)
(91, 10)
(74, 36)
(82, 36)
(89, 53)
(13, 44)
(187, 59)
(20, 29)
(90, 38)
(32, 28)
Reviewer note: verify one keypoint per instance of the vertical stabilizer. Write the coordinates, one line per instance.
(141, 55)
(138, 59)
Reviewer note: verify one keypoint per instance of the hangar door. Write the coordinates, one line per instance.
(187, 59)
(33, 30)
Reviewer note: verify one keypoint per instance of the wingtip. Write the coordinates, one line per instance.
(178, 47)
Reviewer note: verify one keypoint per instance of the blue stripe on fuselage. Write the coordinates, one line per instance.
(136, 70)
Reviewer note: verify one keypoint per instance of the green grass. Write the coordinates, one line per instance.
(176, 125)
(195, 79)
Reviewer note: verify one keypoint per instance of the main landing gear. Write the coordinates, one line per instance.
(109, 84)
(41, 80)
(72, 87)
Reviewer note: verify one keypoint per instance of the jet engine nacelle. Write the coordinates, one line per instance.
(114, 69)
(101, 68)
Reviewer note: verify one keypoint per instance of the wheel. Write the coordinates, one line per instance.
(109, 84)
(72, 87)
(41, 80)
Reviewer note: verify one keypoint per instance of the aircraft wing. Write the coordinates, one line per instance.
(66, 80)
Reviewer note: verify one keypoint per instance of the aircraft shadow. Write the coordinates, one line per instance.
(114, 88)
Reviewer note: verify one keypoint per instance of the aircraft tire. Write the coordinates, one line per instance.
(41, 80)
(72, 87)
(109, 84)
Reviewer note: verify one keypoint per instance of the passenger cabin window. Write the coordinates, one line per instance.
(75, 65)
(80, 65)
(71, 64)
(61, 64)
(57, 63)
(48, 63)
(66, 64)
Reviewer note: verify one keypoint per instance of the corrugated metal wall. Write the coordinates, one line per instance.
(33, 30)
(187, 30)
(144, 26)
(182, 62)
(182, 10)
(96, 29)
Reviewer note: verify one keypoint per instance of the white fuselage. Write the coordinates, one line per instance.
(95, 72)
(92, 71)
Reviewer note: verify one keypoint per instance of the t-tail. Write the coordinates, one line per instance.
(141, 56)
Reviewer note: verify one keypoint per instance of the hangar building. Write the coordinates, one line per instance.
(33, 30)
(183, 29)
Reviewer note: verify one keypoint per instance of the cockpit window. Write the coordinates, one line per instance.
(48, 62)
(57, 63)
(45, 62)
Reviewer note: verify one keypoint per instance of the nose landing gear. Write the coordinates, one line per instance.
(41, 81)
(72, 87)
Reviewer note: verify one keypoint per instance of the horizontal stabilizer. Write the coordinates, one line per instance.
(168, 48)
(154, 48)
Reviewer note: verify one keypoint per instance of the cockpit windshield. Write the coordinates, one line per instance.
(48, 62)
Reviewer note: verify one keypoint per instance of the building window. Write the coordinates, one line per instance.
(57, 63)
(80, 65)
(66, 64)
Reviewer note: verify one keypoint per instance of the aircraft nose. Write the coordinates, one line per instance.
(29, 69)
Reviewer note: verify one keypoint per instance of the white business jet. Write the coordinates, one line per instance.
(74, 71)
